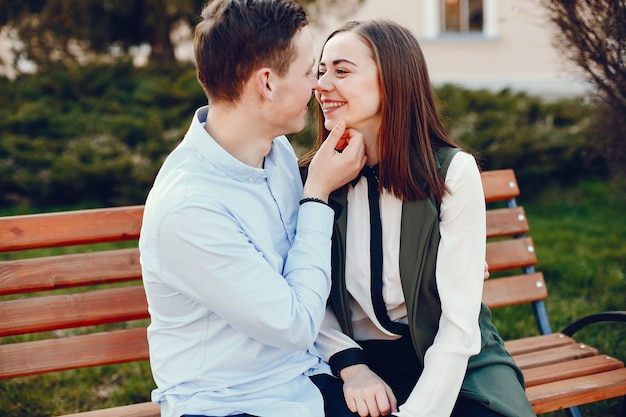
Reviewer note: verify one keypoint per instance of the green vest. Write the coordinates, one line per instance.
(499, 387)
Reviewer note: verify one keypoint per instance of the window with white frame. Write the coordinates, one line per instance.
(462, 16)
(459, 18)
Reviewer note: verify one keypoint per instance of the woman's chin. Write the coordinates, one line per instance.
(329, 124)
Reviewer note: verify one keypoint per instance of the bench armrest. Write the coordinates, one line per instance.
(607, 316)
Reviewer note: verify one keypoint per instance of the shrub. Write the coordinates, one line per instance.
(93, 135)
(542, 141)
(96, 135)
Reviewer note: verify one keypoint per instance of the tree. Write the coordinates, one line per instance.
(592, 34)
(56, 32)
(60, 32)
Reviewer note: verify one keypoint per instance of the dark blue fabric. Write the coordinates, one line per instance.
(332, 391)
(396, 362)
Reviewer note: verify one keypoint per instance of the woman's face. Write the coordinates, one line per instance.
(349, 88)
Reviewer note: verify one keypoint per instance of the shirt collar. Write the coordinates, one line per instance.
(217, 156)
(367, 172)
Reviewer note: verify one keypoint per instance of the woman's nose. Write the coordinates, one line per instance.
(323, 84)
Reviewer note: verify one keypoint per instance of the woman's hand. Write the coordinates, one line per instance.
(366, 393)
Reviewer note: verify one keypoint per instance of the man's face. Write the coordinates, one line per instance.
(295, 87)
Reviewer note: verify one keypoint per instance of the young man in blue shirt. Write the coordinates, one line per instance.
(235, 252)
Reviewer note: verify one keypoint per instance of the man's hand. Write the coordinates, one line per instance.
(330, 169)
(366, 393)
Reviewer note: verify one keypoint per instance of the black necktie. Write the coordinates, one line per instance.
(376, 254)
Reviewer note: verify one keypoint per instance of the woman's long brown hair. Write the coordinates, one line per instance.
(411, 128)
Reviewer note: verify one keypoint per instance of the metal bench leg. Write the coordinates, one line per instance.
(573, 412)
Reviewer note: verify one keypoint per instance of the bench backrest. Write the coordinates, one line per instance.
(510, 252)
(60, 330)
(44, 329)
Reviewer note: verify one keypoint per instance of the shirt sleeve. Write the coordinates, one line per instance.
(335, 347)
(223, 271)
(459, 275)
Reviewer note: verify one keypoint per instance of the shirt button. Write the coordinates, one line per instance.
(250, 179)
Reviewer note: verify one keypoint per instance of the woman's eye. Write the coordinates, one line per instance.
(320, 73)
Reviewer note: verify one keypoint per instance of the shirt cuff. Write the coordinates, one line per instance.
(316, 217)
(345, 358)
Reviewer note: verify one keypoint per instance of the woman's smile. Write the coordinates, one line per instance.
(328, 106)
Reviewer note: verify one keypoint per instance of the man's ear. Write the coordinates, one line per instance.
(264, 79)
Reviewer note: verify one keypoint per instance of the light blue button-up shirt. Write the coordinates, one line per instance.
(236, 278)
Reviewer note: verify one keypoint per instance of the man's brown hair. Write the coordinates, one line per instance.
(236, 37)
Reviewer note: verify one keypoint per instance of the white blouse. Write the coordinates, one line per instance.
(459, 277)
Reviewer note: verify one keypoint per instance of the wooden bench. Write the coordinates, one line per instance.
(560, 372)
(49, 310)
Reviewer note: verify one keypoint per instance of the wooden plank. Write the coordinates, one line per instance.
(518, 289)
(97, 349)
(42, 274)
(570, 369)
(506, 222)
(536, 343)
(133, 410)
(69, 228)
(499, 185)
(577, 391)
(511, 254)
(554, 355)
(36, 314)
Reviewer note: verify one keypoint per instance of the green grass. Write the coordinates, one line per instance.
(76, 390)
(580, 240)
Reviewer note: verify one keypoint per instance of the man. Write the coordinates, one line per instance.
(236, 272)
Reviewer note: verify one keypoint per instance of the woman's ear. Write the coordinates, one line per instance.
(264, 83)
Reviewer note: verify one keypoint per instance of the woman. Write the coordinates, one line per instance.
(405, 324)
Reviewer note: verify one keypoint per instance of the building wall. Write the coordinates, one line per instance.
(516, 49)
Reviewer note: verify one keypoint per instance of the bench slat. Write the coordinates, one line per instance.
(554, 355)
(506, 222)
(535, 343)
(499, 185)
(566, 370)
(63, 271)
(70, 228)
(576, 391)
(36, 314)
(510, 254)
(96, 349)
(514, 290)
(133, 410)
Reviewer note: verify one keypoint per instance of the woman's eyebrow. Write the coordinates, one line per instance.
(340, 61)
